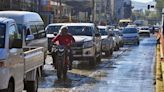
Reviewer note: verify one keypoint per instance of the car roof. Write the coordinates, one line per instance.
(21, 16)
(72, 24)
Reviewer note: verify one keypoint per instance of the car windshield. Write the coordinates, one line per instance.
(129, 30)
(103, 32)
(118, 33)
(52, 29)
(144, 28)
(80, 30)
(2, 35)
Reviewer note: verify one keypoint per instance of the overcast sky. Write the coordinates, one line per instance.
(143, 1)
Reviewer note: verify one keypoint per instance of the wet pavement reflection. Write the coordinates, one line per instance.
(128, 70)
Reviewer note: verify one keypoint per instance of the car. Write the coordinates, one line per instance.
(130, 35)
(19, 64)
(87, 46)
(115, 38)
(29, 23)
(119, 34)
(144, 31)
(51, 31)
(107, 41)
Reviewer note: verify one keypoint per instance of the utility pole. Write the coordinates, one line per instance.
(93, 10)
(60, 9)
(11, 2)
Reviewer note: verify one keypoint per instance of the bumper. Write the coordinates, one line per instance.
(4, 78)
(82, 57)
(83, 54)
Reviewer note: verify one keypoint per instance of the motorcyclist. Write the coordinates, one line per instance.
(66, 39)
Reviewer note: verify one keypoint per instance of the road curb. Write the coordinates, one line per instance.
(159, 73)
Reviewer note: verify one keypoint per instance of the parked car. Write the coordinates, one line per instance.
(116, 45)
(144, 31)
(51, 31)
(130, 35)
(29, 23)
(119, 35)
(19, 65)
(88, 41)
(107, 41)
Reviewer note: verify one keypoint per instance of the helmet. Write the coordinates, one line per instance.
(63, 30)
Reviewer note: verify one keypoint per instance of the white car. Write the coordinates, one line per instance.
(107, 41)
(144, 31)
(119, 36)
(116, 40)
(87, 44)
(130, 35)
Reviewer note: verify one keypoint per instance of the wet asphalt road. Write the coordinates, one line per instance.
(128, 70)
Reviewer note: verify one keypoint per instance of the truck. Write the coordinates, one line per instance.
(20, 66)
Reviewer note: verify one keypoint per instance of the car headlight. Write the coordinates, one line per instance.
(88, 44)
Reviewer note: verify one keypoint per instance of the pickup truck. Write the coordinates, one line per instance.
(20, 66)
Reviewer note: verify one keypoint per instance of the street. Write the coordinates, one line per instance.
(131, 69)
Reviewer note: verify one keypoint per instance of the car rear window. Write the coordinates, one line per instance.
(129, 30)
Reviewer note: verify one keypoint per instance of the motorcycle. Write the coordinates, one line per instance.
(61, 60)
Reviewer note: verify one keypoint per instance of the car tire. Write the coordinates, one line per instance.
(10, 87)
(32, 86)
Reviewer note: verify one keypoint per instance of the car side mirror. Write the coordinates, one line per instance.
(29, 37)
(97, 34)
(17, 43)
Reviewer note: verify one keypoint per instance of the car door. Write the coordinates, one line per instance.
(16, 62)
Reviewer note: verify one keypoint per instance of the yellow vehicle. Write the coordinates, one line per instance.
(124, 22)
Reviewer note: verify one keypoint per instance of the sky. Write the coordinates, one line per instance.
(143, 1)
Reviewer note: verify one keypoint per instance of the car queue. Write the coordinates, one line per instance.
(91, 42)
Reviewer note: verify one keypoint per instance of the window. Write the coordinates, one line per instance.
(41, 31)
(12, 35)
(34, 31)
(2, 35)
(80, 30)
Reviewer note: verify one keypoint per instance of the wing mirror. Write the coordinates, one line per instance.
(29, 37)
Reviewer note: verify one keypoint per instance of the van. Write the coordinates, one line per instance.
(32, 24)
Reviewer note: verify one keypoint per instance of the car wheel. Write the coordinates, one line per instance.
(10, 87)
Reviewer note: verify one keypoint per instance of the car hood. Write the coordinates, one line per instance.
(130, 35)
(104, 37)
(82, 38)
(50, 36)
(3, 54)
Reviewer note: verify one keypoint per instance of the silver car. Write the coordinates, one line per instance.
(130, 35)
(107, 41)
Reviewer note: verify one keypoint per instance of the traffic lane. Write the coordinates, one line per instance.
(133, 71)
(76, 77)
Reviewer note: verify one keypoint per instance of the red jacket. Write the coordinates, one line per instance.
(66, 40)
